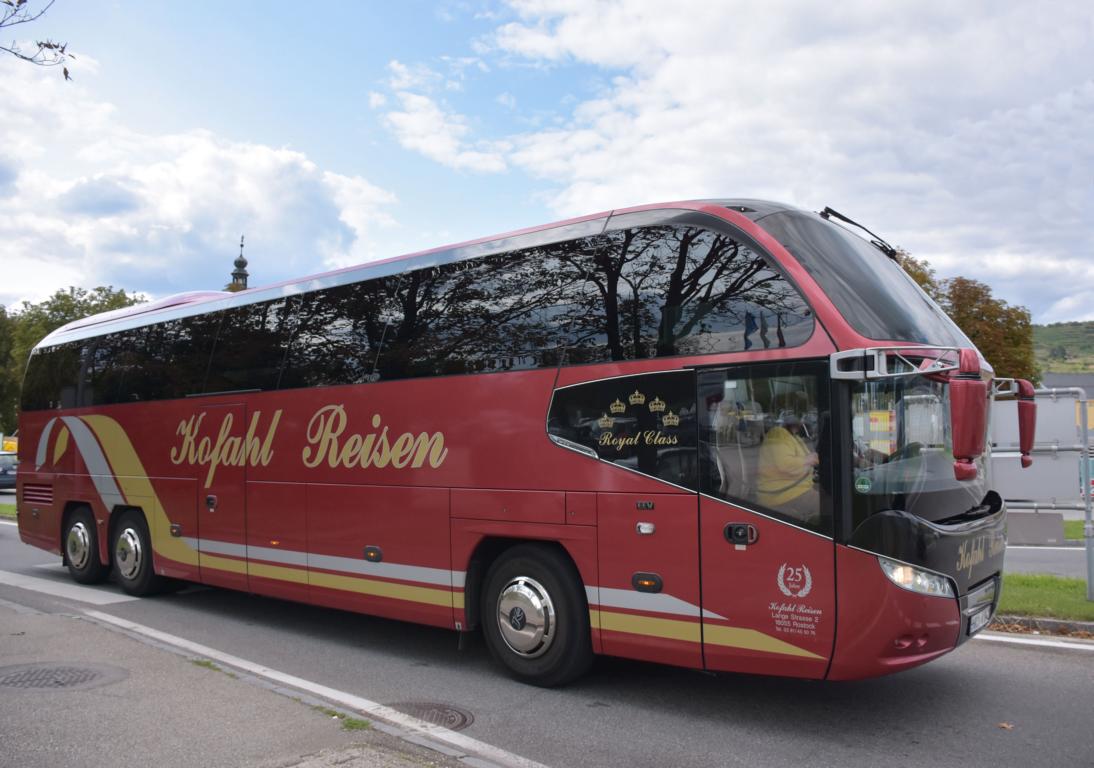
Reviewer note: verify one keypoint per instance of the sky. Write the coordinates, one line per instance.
(335, 133)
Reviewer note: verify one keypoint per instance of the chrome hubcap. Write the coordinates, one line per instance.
(128, 554)
(526, 617)
(78, 545)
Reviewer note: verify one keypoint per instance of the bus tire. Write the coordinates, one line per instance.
(132, 556)
(81, 543)
(535, 617)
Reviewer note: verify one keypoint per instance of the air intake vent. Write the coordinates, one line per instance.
(37, 493)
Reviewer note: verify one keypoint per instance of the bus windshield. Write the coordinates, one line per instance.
(902, 451)
(849, 268)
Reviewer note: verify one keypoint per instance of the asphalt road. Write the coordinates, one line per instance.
(1058, 561)
(631, 714)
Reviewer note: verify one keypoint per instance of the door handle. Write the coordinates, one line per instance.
(211, 502)
(741, 535)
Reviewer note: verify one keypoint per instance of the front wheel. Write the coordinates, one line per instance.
(535, 616)
(82, 548)
(132, 554)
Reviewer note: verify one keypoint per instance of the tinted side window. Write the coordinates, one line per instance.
(117, 369)
(488, 314)
(663, 291)
(645, 423)
(338, 333)
(176, 356)
(251, 344)
(51, 378)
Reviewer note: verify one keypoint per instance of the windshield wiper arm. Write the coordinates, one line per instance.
(877, 242)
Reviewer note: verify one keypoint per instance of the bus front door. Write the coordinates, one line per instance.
(767, 561)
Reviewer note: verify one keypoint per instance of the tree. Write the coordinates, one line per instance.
(922, 273)
(9, 384)
(1003, 333)
(24, 328)
(48, 52)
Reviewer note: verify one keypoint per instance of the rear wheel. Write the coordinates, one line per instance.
(132, 554)
(82, 547)
(535, 617)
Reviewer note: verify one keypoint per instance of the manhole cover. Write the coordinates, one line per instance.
(53, 676)
(444, 715)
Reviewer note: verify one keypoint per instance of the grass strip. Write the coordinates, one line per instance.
(206, 664)
(7, 511)
(1053, 597)
(1073, 529)
(348, 723)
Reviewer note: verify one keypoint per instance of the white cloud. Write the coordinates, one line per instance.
(87, 201)
(412, 77)
(423, 126)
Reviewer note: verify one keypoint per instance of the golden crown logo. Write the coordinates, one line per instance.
(605, 421)
(617, 407)
(637, 398)
(657, 405)
(670, 419)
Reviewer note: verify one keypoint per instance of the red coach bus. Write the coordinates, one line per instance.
(728, 435)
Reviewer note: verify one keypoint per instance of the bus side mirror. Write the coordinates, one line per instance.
(968, 415)
(1027, 420)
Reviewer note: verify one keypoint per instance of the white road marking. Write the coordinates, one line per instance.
(1041, 642)
(449, 738)
(93, 595)
(5, 522)
(1050, 549)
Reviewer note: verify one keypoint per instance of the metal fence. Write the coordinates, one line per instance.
(1060, 478)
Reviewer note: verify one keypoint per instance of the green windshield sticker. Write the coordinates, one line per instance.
(862, 484)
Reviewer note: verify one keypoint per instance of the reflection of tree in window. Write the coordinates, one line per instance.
(661, 291)
(486, 314)
(112, 370)
(338, 333)
(251, 345)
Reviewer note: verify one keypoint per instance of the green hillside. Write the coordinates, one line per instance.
(1065, 347)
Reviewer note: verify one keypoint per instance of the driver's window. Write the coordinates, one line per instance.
(762, 439)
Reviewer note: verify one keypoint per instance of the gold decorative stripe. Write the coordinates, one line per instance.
(275, 572)
(752, 640)
(61, 445)
(669, 629)
(687, 631)
(380, 588)
(223, 564)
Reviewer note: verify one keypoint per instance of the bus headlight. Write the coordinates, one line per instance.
(916, 579)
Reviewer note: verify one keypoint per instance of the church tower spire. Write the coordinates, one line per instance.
(239, 274)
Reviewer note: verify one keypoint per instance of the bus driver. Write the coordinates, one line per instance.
(785, 477)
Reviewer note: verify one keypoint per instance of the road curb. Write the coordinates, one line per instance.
(461, 748)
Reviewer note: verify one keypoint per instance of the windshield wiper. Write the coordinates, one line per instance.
(877, 242)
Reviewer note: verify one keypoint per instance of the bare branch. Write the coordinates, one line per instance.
(48, 52)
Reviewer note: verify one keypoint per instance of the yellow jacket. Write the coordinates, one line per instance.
(786, 470)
